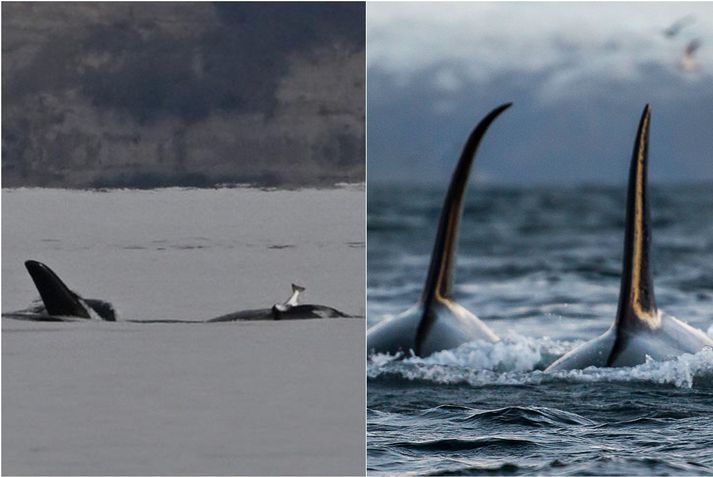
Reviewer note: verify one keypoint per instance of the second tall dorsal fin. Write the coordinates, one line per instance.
(439, 281)
(637, 306)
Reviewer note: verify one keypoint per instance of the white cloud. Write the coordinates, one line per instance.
(571, 44)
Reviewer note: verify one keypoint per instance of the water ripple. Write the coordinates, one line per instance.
(542, 268)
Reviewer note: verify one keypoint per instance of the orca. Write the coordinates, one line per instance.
(640, 329)
(289, 310)
(58, 302)
(437, 322)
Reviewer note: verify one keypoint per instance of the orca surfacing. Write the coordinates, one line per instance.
(640, 328)
(437, 322)
(289, 310)
(59, 303)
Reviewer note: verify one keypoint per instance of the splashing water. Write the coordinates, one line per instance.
(541, 267)
(520, 360)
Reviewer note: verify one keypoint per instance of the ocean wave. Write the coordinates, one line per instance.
(519, 360)
(455, 444)
(530, 416)
(685, 371)
(507, 468)
(513, 353)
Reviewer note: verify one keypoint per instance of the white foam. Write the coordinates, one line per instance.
(684, 371)
(520, 360)
(513, 353)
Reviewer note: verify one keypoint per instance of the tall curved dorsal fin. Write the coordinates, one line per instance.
(59, 300)
(637, 306)
(439, 281)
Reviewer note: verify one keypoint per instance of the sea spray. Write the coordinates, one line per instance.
(519, 360)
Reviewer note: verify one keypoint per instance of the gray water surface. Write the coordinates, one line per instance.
(120, 398)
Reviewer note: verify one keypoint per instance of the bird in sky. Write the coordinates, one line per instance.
(678, 25)
(688, 62)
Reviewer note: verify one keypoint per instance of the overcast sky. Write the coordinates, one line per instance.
(578, 73)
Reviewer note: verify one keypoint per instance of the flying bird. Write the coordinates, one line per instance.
(688, 63)
(678, 25)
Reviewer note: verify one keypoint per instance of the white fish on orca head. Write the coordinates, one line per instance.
(291, 309)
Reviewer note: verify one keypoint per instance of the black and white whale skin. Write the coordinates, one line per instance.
(640, 329)
(437, 322)
(289, 310)
(59, 303)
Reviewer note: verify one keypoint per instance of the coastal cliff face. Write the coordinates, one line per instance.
(186, 94)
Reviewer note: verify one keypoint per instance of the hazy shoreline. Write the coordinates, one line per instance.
(336, 186)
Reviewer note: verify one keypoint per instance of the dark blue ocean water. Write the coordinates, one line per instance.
(541, 267)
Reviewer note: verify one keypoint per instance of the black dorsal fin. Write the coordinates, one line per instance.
(637, 306)
(58, 299)
(439, 281)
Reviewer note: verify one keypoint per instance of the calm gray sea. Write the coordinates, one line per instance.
(241, 398)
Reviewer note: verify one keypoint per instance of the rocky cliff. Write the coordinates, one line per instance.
(158, 94)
